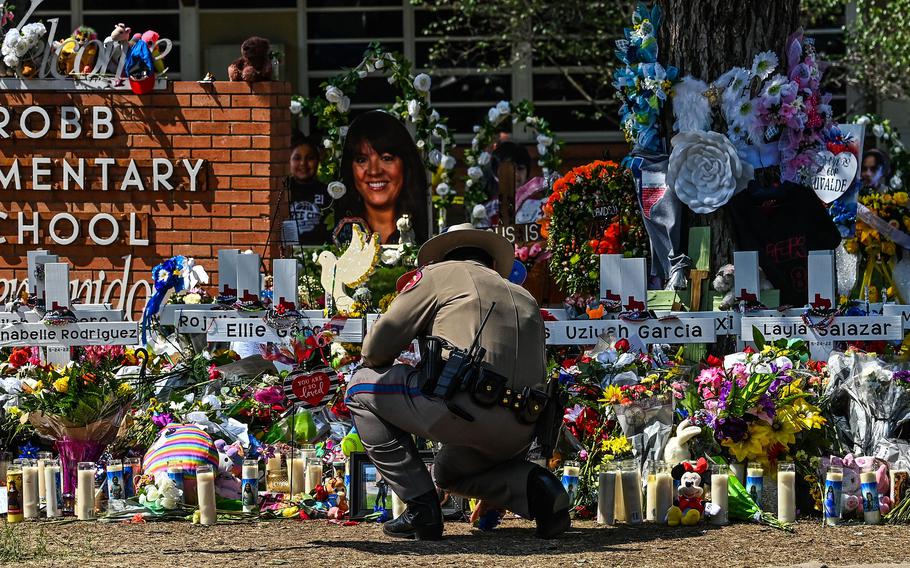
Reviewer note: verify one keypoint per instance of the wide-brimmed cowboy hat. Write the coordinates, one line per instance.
(465, 235)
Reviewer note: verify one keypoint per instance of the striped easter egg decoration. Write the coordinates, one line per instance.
(182, 445)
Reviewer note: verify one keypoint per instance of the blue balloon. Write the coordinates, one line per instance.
(519, 273)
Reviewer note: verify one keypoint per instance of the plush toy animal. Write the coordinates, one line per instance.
(677, 450)
(689, 505)
(112, 46)
(254, 63)
(723, 284)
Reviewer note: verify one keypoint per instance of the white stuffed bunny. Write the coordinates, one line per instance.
(677, 449)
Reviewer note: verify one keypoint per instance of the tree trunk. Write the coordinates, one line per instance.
(705, 38)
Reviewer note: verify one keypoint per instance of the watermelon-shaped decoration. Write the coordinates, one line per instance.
(181, 445)
(311, 389)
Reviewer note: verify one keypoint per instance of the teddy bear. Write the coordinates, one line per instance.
(723, 284)
(254, 64)
(689, 505)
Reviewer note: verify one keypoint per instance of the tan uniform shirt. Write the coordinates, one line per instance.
(449, 301)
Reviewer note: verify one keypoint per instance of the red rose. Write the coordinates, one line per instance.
(19, 357)
(622, 345)
(713, 361)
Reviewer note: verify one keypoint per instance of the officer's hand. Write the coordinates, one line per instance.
(480, 510)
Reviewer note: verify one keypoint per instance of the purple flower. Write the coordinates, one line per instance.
(162, 420)
(725, 390)
(901, 376)
(767, 407)
(730, 428)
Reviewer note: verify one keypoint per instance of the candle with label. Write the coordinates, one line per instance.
(30, 489)
(132, 468)
(249, 486)
(570, 471)
(14, 493)
(52, 495)
(786, 492)
(115, 483)
(41, 491)
(869, 489)
(85, 491)
(755, 482)
(900, 483)
(631, 491)
(606, 494)
(205, 494)
(720, 493)
(831, 500)
(175, 473)
(276, 478)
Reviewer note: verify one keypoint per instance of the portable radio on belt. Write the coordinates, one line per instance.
(460, 367)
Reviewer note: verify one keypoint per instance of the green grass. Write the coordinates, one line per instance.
(17, 546)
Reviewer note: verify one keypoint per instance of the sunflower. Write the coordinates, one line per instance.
(752, 446)
(612, 395)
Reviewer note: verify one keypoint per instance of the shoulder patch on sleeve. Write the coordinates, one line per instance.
(409, 280)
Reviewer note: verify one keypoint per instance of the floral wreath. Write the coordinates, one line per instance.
(485, 134)
(577, 199)
(411, 105)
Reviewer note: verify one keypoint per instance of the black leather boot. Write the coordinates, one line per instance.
(422, 520)
(549, 503)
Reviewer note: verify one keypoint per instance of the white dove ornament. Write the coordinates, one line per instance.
(677, 450)
(350, 270)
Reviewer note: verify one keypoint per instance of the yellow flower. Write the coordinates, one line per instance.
(612, 395)
(124, 389)
(14, 411)
(752, 447)
(901, 198)
(851, 246)
(62, 385)
(39, 386)
(888, 248)
(617, 445)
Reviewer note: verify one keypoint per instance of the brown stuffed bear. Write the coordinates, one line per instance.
(254, 63)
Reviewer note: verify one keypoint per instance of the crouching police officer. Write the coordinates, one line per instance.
(476, 392)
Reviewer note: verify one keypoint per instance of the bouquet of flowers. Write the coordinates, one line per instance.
(757, 404)
(886, 219)
(22, 48)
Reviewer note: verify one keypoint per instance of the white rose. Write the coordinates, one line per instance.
(448, 162)
(296, 107)
(362, 74)
(336, 190)
(542, 149)
(192, 299)
(545, 140)
(897, 182)
(421, 144)
(878, 130)
(422, 83)
(475, 172)
(168, 503)
(434, 116)
(479, 212)
(493, 115)
(327, 143)
(864, 119)
(389, 256)
(440, 129)
(435, 157)
(443, 189)
(413, 109)
(380, 64)
(705, 171)
(484, 158)
(370, 68)
(504, 107)
(343, 105)
(333, 94)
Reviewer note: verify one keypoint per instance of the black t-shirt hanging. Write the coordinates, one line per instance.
(783, 224)
(311, 209)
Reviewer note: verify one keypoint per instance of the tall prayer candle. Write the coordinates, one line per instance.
(249, 486)
(14, 493)
(664, 491)
(175, 473)
(132, 467)
(85, 491)
(832, 498)
(631, 491)
(52, 495)
(720, 493)
(619, 508)
(115, 483)
(786, 492)
(297, 472)
(755, 482)
(205, 492)
(41, 457)
(313, 473)
(869, 488)
(606, 494)
(30, 489)
(570, 471)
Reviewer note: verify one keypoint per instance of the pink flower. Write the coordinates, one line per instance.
(522, 253)
(214, 373)
(270, 395)
(35, 357)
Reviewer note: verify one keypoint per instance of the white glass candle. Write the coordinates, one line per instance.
(398, 506)
(297, 472)
(631, 491)
(831, 500)
(651, 494)
(606, 494)
(249, 485)
(52, 487)
(313, 473)
(30, 489)
(869, 489)
(619, 508)
(205, 494)
(41, 457)
(85, 491)
(116, 487)
(570, 471)
(786, 492)
(720, 493)
(664, 491)
(755, 482)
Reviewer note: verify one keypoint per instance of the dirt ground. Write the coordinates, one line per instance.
(318, 543)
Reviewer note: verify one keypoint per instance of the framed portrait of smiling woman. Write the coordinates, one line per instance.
(386, 178)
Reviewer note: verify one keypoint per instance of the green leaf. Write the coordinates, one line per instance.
(758, 338)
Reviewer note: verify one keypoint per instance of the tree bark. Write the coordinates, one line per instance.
(705, 38)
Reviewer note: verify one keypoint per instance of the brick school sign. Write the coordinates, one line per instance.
(116, 182)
